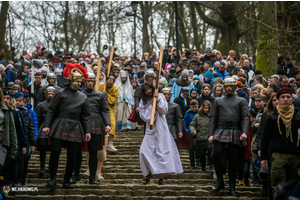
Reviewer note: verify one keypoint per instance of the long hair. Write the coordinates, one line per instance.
(205, 103)
(1, 98)
(143, 95)
(215, 88)
(269, 107)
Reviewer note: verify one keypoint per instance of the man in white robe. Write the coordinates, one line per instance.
(125, 101)
(158, 152)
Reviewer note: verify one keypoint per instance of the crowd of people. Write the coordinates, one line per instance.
(239, 120)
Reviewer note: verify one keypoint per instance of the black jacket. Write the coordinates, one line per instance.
(206, 58)
(20, 129)
(202, 98)
(279, 142)
(289, 70)
(28, 125)
(179, 101)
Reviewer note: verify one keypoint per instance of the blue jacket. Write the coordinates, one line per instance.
(222, 75)
(243, 94)
(34, 120)
(187, 120)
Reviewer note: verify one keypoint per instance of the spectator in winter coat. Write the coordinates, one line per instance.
(208, 56)
(240, 92)
(209, 78)
(10, 73)
(183, 81)
(287, 66)
(187, 120)
(197, 84)
(172, 73)
(231, 64)
(183, 100)
(222, 70)
(194, 64)
(205, 95)
(33, 116)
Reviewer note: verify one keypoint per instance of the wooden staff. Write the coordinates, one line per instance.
(107, 69)
(156, 86)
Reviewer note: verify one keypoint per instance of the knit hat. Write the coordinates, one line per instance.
(209, 74)
(239, 84)
(173, 65)
(185, 73)
(284, 90)
(196, 77)
(18, 94)
(133, 81)
(192, 71)
(207, 49)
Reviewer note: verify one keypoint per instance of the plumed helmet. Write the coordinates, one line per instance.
(92, 77)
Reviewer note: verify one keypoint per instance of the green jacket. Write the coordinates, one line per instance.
(9, 139)
(200, 124)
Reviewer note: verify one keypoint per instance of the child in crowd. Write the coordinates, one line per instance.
(188, 118)
(199, 128)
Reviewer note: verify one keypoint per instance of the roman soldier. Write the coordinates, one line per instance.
(100, 125)
(41, 113)
(228, 130)
(51, 79)
(174, 116)
(68, 122)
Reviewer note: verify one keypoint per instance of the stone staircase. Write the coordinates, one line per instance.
(123, 176)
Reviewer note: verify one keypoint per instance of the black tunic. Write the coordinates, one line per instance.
(41, 113)
(101, 117)
(229, 108)
(68, 100)
(174, 119)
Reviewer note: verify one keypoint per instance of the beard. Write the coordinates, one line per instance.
(44, 76)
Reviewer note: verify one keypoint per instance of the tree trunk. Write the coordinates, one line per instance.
(217, 36)
(228, 26)
(145, 16)
(183, 39)
(230, 32)
(4, 52)
(194, 25)
(266, 51)
(66, 26)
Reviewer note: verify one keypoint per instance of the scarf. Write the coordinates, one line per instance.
(286, 114)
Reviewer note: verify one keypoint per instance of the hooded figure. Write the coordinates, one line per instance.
(125, 101)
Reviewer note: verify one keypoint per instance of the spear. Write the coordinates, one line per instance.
(156, 86)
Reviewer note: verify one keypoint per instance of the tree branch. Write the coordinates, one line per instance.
(207, 20)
